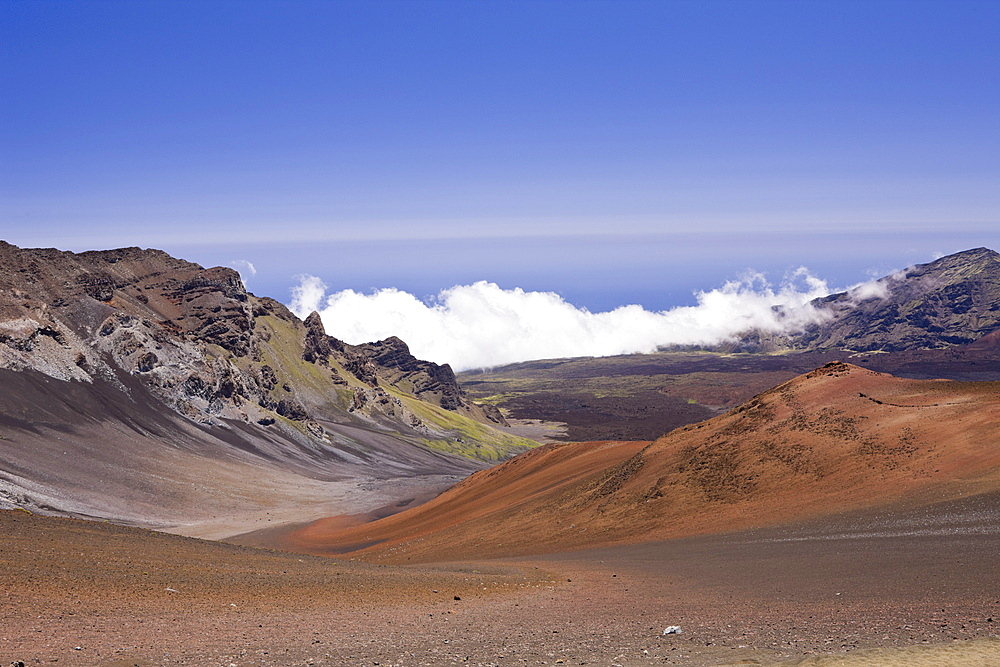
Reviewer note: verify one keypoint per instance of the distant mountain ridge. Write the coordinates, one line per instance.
(951, 301)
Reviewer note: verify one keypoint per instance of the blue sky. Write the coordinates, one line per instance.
(613, 152)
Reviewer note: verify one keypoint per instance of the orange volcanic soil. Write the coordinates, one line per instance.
(485, 497)
(837, 439)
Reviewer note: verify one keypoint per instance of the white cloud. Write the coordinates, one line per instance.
(245, 268)
(874, 289)
(482, 325)
(307, 295)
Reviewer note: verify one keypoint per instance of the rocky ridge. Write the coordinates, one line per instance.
(951, 301)
(214, 352)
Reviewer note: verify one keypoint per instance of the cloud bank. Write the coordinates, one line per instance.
(483, 325)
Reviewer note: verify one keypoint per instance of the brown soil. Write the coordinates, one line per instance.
(81, 593)
(483, 515)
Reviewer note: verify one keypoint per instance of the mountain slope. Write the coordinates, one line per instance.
(836, 439)
(125, 361)
(951, 301)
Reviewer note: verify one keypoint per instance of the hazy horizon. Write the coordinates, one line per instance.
(610, 153)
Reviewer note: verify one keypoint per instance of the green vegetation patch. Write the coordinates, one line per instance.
(463, 435)
(471, 450)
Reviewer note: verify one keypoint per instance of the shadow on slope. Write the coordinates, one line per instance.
(97, 450)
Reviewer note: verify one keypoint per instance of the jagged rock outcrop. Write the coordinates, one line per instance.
(390, 360)
(205, 346)
(317, 344)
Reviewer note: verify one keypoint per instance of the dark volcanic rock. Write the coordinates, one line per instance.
(395, 363)
(390, 359)
(264, 305)
(317, 343)
(146, 362)
(952, 301)
(215, 309)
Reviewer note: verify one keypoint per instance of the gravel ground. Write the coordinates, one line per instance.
(86, 593)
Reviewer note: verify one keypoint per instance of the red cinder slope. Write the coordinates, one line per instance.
(836, 439)
(508, 492)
